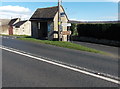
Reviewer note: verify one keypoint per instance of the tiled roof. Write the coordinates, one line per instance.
(45, 13)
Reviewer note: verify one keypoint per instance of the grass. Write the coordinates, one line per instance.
(15, 35)
(63, 44)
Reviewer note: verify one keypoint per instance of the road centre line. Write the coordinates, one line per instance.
(62, 65)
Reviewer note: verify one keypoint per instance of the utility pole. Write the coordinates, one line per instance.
(59, 20)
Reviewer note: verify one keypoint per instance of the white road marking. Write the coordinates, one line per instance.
(62, 65)
(8, 37)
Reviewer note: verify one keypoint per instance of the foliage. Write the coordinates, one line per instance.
(100, 31)
(73, 28)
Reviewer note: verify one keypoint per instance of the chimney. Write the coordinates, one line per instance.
(19, 19)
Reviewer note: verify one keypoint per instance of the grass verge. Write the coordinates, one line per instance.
(64, 44)
(15, 35)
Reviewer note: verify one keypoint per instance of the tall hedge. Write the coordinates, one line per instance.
(100, 31)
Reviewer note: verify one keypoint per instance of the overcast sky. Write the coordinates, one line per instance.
(89, 10)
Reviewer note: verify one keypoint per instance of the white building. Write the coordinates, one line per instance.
(22, 28)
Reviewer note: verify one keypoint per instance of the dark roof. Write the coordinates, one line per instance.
(18, 24)
(45, 13)
(12, 21)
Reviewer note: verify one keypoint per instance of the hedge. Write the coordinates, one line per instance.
(100, 31)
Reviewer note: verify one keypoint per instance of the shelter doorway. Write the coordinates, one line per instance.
(42, 29)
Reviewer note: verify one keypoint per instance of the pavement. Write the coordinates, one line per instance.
(23, 71)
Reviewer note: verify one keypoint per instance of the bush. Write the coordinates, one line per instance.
(73, 29)
(100, 31)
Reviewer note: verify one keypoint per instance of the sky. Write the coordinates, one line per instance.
(89, 10)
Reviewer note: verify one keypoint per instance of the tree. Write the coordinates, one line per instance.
(74, 29)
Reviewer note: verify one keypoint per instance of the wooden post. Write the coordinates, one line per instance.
(59, 21)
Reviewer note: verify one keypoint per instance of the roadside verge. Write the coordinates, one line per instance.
(64, 45)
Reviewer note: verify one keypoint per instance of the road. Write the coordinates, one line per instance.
(110, 49)
(20, 70)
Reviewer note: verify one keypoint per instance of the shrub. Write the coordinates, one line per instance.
(73, 29)
(100, 31)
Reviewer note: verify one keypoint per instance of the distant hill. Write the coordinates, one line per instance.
(73, 21)
(4, 21)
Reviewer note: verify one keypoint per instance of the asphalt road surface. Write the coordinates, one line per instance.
(19, 70)
(110, 49)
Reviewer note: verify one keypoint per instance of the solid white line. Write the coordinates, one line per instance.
(7, 37)
(63, 66)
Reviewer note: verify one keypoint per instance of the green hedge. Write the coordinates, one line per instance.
(100, 31)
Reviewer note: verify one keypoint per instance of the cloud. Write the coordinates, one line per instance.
(75, 19)
(14, 11)
(109, 18)
(78, 19)
(112, 0)
(105, 18)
